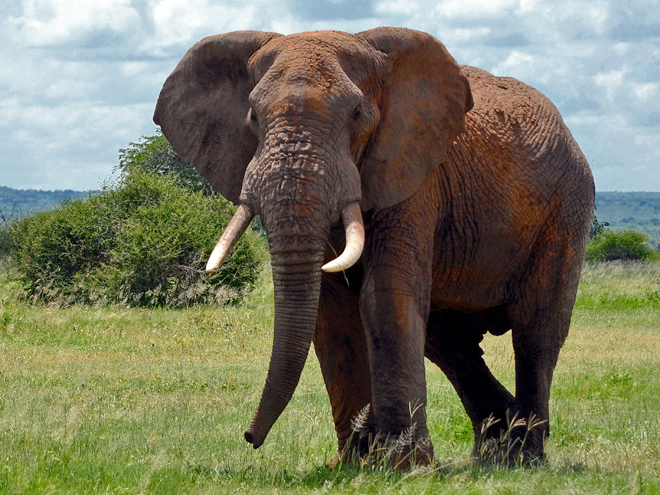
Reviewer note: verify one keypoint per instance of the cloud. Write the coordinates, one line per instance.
(80, 78)
(178, 22)
(611, 81)
(475, 9)
(645, 91)
(51, 22)
(72, 145)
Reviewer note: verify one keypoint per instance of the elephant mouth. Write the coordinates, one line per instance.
(353, 225)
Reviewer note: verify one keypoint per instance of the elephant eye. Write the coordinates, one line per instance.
(357, 113)
(252, 121)
(252, 116)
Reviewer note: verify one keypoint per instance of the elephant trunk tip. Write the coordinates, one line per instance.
(251, 437)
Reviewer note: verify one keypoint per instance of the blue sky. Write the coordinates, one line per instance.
(80, 79)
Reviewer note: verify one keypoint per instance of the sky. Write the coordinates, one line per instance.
(79, 79)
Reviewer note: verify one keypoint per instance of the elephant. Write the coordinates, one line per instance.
(459, 201)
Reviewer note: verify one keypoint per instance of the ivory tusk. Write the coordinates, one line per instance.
(352, 218)
(230, 237)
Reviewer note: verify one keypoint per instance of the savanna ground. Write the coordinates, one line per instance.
(116, 400)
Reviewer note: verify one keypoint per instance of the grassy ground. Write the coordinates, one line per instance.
(114, 400)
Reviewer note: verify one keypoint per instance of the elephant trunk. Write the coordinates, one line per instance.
(297, 252)
(296, 210)
(297, 286)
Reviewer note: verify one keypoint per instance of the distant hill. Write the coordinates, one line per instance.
(630, 210)
(18, 202)
(622, 210)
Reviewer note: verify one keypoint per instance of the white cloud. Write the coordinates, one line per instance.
(528, 5)
(478, 9)
(645, 92)
(70, 146)
(611, 81)
(178, 22)
(595, 16)
(622, 48)
(80, 78)
(405, 8)
(517, 64)
(49, 22)
(466, 35)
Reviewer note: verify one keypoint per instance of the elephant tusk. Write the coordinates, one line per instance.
(230, 237)
(352, 218)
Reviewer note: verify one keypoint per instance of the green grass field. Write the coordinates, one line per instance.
(116, 400)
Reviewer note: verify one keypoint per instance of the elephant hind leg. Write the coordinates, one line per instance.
(540, 323)
(452, 342)
(536, 345)
(537, 340)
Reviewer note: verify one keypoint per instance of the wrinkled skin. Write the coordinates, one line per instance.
(476, 202)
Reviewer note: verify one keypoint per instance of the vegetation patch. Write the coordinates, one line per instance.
(619, 286)
(638, 211)
(128, 400)
(143, 242)
(624, 245)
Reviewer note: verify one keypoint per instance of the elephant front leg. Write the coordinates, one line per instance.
(395, 328)
(341, 349)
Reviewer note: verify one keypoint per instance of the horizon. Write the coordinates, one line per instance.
(97, 190)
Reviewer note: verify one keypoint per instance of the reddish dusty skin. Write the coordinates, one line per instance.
(476, 205)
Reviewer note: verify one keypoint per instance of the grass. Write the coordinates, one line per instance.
(118, 400)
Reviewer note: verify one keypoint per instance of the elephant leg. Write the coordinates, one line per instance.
(395, 329)
(341, 349)
(536, 346)
(540, 325)
(452, 342)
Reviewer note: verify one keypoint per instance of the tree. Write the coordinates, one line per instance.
(154, 155)
(597, 228)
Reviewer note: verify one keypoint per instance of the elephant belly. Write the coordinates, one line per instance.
(476, 276)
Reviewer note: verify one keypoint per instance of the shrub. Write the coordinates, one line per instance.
(626, 245)
(143, 242)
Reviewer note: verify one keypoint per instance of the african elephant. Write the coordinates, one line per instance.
(460, 203)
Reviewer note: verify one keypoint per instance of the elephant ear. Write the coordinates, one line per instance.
(423, 104)
(203, 106)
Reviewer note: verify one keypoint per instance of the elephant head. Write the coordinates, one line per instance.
(307, 131)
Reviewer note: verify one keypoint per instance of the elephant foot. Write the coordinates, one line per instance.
(400, 452)
(512, 441)
(354, 449)
(404, 451)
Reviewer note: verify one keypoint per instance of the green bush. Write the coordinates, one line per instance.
(143, 242)
(625, 245)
